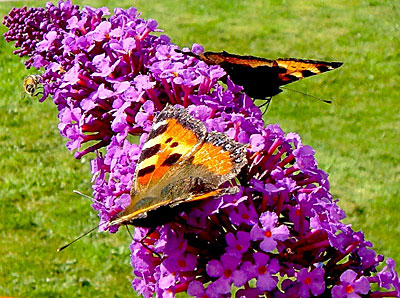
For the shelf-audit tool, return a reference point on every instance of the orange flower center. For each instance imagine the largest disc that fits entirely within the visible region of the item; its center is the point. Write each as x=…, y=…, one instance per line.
x=268, y=234
x=227, y=272
x=307, y=281
x=239, y=247
x=182, y=263
x=262, y=270
x=349, y=289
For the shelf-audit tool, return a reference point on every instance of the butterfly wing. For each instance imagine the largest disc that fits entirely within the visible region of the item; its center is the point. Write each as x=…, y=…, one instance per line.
x=217, y=160
x=261, y=77
x=258, y=76
x=175, y=135
x=225, y=59
x=291, y=69
x=181, y=162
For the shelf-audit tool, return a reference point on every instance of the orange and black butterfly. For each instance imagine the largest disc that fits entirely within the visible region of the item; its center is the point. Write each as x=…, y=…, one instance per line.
x=262, y=78
x=181, y=162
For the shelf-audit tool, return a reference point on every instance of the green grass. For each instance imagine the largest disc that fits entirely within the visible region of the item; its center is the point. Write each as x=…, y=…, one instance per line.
x=356, y=138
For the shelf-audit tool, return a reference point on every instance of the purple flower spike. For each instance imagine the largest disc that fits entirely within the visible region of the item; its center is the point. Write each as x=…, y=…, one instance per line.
x=109, y=77
x=268, y=232
x=350, y=286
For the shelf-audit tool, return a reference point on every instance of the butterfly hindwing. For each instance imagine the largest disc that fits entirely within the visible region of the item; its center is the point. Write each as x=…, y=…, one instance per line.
x=218, y=159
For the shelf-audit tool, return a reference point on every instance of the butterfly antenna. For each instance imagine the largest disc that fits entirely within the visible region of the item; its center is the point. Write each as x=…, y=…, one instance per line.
x=188, y=53
x=129, y=232
x=88, y=197
x=142, y=241
x=82, y=194
x=151, y=230
x=80, y=237
x=303, y=93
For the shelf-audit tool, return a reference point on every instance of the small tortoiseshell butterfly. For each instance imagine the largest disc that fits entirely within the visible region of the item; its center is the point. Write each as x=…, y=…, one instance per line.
x=180, y=162
x=261, y=77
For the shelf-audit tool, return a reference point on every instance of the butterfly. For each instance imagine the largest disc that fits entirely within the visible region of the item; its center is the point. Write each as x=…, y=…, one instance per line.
x=181, y=162
x=262, y=78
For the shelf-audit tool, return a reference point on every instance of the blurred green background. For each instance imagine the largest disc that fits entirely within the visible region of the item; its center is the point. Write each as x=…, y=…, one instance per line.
x=356, y=138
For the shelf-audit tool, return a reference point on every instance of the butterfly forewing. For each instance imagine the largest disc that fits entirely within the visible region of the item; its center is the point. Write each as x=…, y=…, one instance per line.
x=295, y=69
x=172, y=139
x=224, y=58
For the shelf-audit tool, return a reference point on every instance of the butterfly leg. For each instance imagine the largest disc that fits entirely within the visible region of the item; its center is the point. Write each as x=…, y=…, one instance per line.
x=141, y=241
x=183, y=222
x=129, y=232
x=149, y=232
x=266, y=105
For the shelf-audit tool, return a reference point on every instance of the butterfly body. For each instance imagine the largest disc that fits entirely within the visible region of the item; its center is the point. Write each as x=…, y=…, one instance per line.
x=260, y=77
x=181, y=162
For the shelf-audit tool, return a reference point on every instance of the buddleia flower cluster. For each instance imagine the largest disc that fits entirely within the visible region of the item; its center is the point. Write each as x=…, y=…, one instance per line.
x=281, y=235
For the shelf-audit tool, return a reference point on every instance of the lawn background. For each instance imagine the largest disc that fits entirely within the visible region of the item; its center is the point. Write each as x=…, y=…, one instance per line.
x=356, y=138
